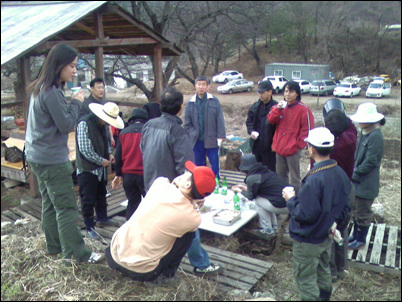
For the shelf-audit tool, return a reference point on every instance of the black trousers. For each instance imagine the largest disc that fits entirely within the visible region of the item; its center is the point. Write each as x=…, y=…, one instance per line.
x=134, y=187
x=93, y=195
x=265, y=156
x=168, y=264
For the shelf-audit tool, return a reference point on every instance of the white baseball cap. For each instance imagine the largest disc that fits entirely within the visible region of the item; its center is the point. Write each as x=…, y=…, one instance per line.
x=320, y=137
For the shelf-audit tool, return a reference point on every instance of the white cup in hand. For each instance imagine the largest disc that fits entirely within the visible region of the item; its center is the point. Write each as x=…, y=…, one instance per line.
x=282, y=104
x=254, y=134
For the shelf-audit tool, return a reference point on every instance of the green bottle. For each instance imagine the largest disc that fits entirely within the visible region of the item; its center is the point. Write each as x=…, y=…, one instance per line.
x=216, y=191
x=224, y=190
x=236, y=202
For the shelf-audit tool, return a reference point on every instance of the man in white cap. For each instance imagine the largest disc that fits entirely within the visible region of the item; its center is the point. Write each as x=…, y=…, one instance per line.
x=366, y=172
x=322, y=200
x=93, y=155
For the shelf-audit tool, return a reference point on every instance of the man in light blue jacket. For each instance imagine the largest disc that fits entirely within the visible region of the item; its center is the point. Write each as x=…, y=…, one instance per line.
x=205, y=124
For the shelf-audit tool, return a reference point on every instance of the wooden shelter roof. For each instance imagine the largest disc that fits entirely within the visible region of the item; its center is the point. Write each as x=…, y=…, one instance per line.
x=30, y=28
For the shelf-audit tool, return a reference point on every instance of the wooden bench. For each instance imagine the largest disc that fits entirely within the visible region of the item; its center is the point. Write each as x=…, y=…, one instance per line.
x=232, y=177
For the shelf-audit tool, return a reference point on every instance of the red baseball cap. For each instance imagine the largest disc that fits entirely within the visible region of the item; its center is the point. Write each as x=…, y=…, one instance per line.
x=204, y=178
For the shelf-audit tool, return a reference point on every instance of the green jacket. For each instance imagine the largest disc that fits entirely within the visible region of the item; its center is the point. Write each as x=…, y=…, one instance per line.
x=366, y=172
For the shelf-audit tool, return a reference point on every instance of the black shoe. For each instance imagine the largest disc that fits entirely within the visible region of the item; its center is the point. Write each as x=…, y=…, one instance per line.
x=163, y=281
x=109, y=222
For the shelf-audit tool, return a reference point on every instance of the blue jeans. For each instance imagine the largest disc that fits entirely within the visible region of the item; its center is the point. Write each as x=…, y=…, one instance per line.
x=196, y=254
x=200, y=153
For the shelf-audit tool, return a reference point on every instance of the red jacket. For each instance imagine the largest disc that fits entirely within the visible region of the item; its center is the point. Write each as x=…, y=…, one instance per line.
x=292, y=126
x=128, y=155
x=344, y=149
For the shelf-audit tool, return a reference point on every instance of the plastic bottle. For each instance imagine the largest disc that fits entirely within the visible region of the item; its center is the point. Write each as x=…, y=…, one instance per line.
x=224, y=190
x=216, y=191
x=236, y=202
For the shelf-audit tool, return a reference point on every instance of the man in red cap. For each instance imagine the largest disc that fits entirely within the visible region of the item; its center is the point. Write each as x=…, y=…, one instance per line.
x=151, y=244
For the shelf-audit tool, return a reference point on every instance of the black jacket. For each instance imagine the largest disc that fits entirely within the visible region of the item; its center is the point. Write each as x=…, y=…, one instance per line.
x=265, y=183
x=257, y=121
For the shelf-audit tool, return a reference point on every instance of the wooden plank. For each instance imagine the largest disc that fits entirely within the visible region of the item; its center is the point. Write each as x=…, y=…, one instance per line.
x=259, y=263
x=5, y=218
x=391, y=246
x=11, y=215
x=377, y=247
x=21, y=212
x=224, y=281
x=362, y=253
x=187, y=270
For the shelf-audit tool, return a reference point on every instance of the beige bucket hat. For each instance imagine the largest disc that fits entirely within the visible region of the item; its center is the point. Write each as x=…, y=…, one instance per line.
x=367, y=113
x=109, y=112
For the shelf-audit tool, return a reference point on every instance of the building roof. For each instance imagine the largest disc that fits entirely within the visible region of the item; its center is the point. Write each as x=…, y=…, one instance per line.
x=299, y=65
x=34, y=27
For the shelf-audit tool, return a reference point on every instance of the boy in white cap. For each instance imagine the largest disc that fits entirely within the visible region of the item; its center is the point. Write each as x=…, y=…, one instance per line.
x=366, y=172
x=93, y=155
x=322, y=200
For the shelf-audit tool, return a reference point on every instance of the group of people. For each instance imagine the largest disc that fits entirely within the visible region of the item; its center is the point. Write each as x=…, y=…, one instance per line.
x=342, y=183
x=161, y=163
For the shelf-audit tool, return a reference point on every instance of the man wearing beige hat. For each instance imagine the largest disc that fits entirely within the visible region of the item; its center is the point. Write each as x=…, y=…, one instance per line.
x=366, y=172
x=93, y=155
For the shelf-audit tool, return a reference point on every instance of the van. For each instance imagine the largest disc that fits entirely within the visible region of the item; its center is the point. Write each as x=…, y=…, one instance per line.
x=323, y=87
x=377, y=89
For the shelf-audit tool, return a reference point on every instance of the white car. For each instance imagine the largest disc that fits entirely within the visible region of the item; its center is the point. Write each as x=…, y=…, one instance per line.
x=277, y=82
x=304, y=85
x=347, y=89
x=377, y=89
x=227, y=76
x=236, y=86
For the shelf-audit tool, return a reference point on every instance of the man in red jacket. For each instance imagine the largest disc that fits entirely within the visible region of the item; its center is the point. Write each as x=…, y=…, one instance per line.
x=128, y=161
x=293, y=121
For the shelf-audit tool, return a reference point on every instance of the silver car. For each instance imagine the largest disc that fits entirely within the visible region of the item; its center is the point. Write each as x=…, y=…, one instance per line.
x=323, y=87
x=236, y=86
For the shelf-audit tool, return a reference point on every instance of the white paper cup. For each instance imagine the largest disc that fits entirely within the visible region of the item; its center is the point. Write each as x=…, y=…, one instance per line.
x=74, y=90
x=255, y=134
x=288, y=190
x=283, y=104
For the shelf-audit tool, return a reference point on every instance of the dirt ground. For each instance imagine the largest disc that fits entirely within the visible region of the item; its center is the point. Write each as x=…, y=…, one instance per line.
x=278, y=283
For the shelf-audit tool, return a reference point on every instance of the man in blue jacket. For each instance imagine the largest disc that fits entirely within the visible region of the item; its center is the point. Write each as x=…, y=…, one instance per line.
x=322, y=200
x=205, y=124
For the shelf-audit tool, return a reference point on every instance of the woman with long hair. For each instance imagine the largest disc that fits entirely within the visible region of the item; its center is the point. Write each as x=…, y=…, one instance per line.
x=50, y=119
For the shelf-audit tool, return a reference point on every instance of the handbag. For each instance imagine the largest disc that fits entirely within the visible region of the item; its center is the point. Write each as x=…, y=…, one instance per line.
x=13, y=154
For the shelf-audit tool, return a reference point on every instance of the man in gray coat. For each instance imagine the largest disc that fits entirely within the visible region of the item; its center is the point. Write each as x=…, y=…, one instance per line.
x=165, y=144
x=205, y=124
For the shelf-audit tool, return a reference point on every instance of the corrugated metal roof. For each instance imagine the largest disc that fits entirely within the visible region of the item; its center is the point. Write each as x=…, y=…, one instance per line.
x=26, y=26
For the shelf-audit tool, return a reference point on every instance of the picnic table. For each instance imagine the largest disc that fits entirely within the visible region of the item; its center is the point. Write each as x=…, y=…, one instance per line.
x=216, y=202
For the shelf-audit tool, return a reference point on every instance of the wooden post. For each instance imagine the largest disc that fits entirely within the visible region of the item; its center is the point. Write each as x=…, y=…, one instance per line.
x=99, y=71
x=158, y=71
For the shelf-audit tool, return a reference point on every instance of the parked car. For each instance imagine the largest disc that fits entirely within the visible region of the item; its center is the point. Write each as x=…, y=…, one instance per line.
x=236, y=86
x=377, y=89
x=323, y=87
x=226, y=76
x=347, y=89
x=277, y=82
x=304, y=85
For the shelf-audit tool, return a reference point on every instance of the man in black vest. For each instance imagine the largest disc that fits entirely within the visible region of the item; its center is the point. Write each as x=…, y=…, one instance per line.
x=93, y=155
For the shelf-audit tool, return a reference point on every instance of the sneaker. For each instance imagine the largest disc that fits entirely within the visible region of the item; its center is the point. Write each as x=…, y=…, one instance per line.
x=96, y=258
x=108, y=194
x=93, y=234
x=212, y=269
x=266, y=234
x=163, y=281
x=109, y=222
